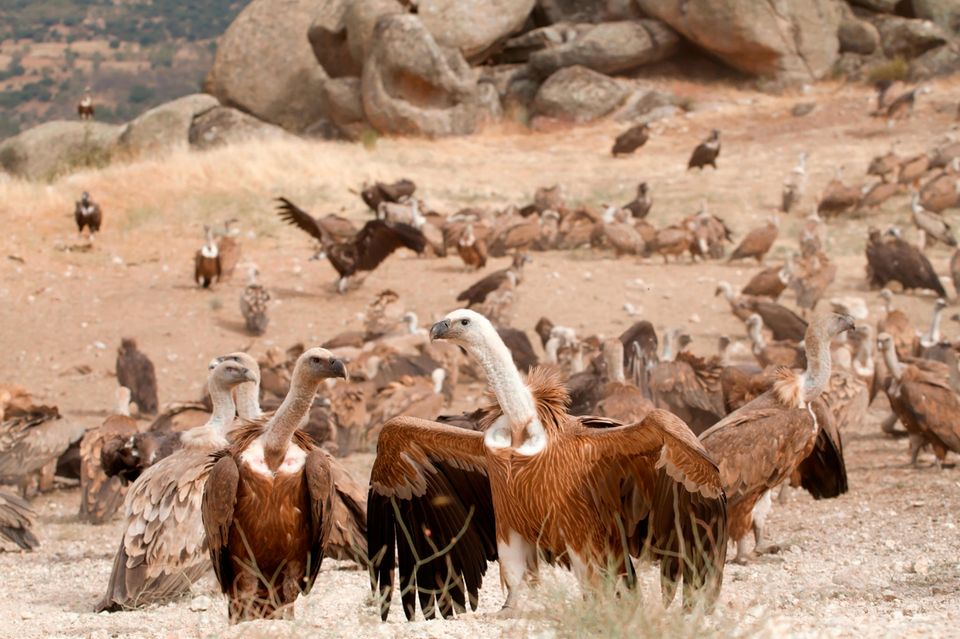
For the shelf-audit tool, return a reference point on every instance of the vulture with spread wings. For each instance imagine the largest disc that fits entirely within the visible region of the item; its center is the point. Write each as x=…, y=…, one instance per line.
x=364, y=251
x=583, y=492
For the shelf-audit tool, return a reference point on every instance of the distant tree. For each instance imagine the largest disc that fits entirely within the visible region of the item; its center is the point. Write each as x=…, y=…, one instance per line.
x=139, y=94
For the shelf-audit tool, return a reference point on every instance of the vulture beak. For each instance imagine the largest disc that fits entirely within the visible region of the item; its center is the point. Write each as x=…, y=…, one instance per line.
x=249, y=375
x=439, y=330
x=338, y=368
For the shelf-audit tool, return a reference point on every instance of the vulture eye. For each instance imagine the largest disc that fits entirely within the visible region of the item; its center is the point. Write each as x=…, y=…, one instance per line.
x=464, y=322
x=315, y=360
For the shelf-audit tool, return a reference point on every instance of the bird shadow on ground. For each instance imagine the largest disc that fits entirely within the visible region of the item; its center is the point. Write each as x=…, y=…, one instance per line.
x=234, y=326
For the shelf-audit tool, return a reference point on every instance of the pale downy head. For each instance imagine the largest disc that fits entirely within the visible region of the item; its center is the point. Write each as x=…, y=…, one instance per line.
x=833, y=324
x=317, y=364
x=463, y=327
x=229, y=374
x=244, y=359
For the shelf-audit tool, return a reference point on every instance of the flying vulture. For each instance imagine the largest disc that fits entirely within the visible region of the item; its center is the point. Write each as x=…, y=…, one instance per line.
x=584, y=492
x=372, y=244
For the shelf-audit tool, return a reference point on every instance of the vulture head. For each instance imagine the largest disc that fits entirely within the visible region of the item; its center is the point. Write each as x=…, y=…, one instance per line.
x=244, y=359
x=835, y=324
x=465, y=328
x=317, y=364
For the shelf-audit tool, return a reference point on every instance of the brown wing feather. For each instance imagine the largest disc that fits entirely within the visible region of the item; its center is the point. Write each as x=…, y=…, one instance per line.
x=16, y=519
x=293, y=214
x=378, y=239
x=429, y=478
x=321, y=487
x=348, y=536
x=101, y=495
x=219, y=499
x=479, y=290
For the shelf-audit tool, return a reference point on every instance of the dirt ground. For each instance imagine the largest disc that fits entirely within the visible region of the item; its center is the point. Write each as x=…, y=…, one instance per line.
x=879, y=561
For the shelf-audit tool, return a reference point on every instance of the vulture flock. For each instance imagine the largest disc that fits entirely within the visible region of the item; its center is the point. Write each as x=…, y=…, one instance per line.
x=603, y=450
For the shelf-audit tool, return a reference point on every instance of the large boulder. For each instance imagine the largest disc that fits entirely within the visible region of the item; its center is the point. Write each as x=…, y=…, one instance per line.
x=790, y=40
x=610, y=47
x=345, y=104
x=944, y=60
x=328, y=37
x=361, y=20
x=265, y=66
x=474, y=27
x=857, y=36
x=413, y=86
x=880, y=6
x=945, y=13
x=222, y=125
x=588, y=10
x=165, y=127
x=59, y=147
x=909, y=38
x=577, y=94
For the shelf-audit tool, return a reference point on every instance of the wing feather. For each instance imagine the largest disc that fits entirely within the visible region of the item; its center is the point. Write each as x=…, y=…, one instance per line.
x=293, y=214
x=429, y=492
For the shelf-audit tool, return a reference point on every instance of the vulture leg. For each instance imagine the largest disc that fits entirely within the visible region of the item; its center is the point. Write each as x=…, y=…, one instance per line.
x=342, y=285
x=888, y=426
x=783, y=496
x=916, y=443
x=515, y=556
x=760, y=512
x=922, y=241
x=742, y=554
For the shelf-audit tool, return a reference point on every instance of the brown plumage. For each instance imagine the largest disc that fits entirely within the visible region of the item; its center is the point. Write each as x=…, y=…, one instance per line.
x=687, y=386
x=710, y=234
x=85, y=108
x=472, y=250
x=162, y=549
x=885, y=166
x=373, y=243
x=955, y=271
x=848, y=398
x=520, y=347
x=912, y=169
x=782, y=322
x=479, y=291
x=897, y=324
x=616, y=397
x=641, y=204
x=268, y=502
x=758, y=242
x=837, y=197
x=253, y=304
x=770, y=282
x=206, y=262
x=895, y=260
x=101, y=495
x=16, y=521
x=762, y=444
x=373, y=196
x=537, y=479
x=706, y=152
x=631, y=140
x=673, y=241
x=942, y=191
x=619, y=234
x=926, y=403
x=32, y=438
x=777, y=353
x=810, y=277
x=135, y=371
x=87, y=214
x=901, y=107
x=516, y=234
x=229, y=249
x=876, y=194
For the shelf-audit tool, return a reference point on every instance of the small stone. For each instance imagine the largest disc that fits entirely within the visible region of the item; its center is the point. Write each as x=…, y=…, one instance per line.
x=889, y=595
x=200, y=603
x=26, y=615
x=695, y=319
x=921, y=566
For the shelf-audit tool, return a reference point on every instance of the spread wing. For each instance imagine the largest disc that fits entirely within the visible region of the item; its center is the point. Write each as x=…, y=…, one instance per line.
x=348, y=536
x=430, y=500
x=29, y=443
x=163, y=549
x=293, y=214
x=379, y=238
x=656, y=480
x=16, y=518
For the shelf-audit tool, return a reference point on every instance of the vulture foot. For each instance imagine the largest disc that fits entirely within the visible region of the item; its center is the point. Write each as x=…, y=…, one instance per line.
x=342, y=285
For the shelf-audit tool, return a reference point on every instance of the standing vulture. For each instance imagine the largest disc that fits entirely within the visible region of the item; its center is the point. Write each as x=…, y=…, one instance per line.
x=782, y=322
x=760, y=445
x=794, y=185
x=931, y=225
x=162, y=550
x=925, y=402
x=896, y=260
x=253, y=304
x=758, y=242
x=472, y=250
x=478, y=292
x=586, y=492
x=706, y=152
x=631, y=140
x=206, y=261
x=87, y=214
x=267, y=505
x=640, y=205
x=135, y=371
x=85, y=108
x=371, y=246
x=902, y=106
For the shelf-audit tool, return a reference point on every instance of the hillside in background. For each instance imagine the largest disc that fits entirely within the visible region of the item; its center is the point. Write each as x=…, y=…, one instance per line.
x=132, y=55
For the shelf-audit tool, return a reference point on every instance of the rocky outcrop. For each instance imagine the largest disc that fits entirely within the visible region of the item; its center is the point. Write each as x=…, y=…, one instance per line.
x=577, y=94
x=790, y=40
x=909, y=38
x=610, y=47
x=328, y=38
x=265, y=66
x=941, y=61
x=345, y=105
x=59, y=147
x=223, y=125
x=589, y=10
x=474, y=27
x=944, y=13
x=858, y=36
x=880, y=6
x=165, y=127
x=413, y=86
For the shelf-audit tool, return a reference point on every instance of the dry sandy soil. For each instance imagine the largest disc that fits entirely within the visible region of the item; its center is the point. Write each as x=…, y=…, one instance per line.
x=879, y=561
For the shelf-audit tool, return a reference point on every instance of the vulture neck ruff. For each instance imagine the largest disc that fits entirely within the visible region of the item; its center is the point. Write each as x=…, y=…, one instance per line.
x=515, y=399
